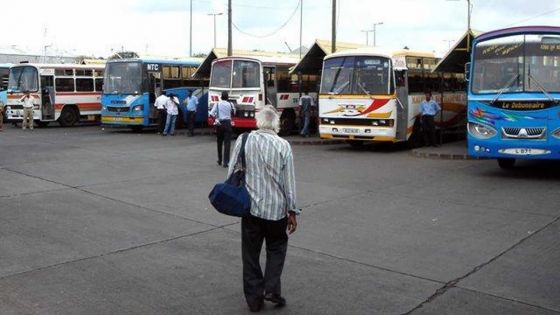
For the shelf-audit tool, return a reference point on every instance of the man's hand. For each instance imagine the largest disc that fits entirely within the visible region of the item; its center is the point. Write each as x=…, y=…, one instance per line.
x=292, y=222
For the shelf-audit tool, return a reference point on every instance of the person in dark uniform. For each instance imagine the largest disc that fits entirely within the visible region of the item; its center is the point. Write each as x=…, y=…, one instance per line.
x=429, y=109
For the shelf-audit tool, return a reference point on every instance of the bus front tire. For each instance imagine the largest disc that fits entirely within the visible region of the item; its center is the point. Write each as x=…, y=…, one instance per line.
x=69, y=117
x=506, y=164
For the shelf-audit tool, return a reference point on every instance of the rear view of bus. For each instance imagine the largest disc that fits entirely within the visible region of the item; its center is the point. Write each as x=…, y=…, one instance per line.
x=357, y=100
x=242, y=79
x=514, y=93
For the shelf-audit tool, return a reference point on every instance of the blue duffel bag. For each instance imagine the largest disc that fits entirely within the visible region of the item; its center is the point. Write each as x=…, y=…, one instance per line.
x=231, y=197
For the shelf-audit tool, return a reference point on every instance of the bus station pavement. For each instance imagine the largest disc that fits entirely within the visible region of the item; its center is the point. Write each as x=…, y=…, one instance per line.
x=99, y=221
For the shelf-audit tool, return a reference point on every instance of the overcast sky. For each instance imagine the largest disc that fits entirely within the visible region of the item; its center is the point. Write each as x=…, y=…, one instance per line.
x=160, y=27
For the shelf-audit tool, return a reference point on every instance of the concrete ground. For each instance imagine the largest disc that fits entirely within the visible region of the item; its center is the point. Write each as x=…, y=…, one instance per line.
x=114, y=222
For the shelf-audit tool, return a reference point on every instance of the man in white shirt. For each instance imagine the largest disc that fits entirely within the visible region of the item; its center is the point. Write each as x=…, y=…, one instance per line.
x=171, y=106
x=27, y=101
x=162, y=112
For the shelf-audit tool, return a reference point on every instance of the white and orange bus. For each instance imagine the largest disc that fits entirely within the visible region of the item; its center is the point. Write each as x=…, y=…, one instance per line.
x=256, y=81
x=67, y=93
x=371, y=95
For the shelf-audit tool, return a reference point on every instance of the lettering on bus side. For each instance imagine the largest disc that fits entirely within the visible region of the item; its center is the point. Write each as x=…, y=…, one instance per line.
x=152, y=67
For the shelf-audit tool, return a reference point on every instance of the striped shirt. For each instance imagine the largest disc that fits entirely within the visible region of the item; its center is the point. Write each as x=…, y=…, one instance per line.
x=269, y=177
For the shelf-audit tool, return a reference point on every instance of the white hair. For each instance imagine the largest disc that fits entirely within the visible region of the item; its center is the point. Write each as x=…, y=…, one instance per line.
x=268, y=118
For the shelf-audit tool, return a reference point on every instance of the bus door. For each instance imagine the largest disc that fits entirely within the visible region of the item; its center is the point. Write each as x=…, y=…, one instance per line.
x=155, y=87
x=47, y=97
x=402, y=104
x=270, y=85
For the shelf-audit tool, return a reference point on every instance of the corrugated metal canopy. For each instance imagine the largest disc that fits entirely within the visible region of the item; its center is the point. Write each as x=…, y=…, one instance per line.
x=312, y=62
x=456, y=58
x=203, y=71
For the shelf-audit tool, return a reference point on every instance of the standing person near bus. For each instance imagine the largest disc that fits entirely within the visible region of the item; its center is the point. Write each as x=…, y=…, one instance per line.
x=1, y=116
x=162, y=112
x=172, y=109
x=222, y=113
x=192, y=104
x=429, y=109
x=305, y=104
x=28, y=105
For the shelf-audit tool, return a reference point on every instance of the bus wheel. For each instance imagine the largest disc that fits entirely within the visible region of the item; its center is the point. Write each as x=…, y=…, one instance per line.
x=42, y=124
x=287, y=122
x=69, y=117
x=506, y=164
x=136, y=128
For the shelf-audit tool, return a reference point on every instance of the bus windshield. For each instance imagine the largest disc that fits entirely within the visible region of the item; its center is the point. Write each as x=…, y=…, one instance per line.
x=246, y=74
x=357, y=75
x=519, y=63
x=23, y=79
x=123, y=78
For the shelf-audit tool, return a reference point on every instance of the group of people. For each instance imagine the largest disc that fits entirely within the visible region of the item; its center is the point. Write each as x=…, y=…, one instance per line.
x=167, y=105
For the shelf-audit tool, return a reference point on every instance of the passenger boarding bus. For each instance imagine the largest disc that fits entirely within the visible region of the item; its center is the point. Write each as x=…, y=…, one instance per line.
x=370, y=95
x=4, y=74
x=257, y=81
x=132, y=85
x=67, y=93
x=514, y=95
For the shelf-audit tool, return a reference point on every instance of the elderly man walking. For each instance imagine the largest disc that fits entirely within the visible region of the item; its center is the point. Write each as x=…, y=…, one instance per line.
x=270, y=181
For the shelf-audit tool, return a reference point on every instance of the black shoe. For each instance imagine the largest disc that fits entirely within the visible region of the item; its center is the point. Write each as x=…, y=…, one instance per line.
x=257, y=307
x=276, y=299
x=219, y=163
x=226, y=166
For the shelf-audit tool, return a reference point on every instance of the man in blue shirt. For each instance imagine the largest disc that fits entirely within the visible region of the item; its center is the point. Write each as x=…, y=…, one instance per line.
x=429, y=109
x=192, y=103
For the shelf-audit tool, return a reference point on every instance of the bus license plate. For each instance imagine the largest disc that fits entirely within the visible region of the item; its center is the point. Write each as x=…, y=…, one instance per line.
x=351, y=130
x=524, y=151
x=118, y=118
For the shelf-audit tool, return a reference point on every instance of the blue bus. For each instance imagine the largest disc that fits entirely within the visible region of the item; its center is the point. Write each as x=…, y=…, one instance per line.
x=4, y=75
x=132, y=85
x=514, y=95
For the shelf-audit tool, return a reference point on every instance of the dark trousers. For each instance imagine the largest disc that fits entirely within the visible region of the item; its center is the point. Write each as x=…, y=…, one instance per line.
x=162, y=114
x=223, y=133
x=253, y=232
x=429, y=128
x=191, y=115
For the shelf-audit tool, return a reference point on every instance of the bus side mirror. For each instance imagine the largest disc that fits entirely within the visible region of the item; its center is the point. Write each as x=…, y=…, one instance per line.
x=467, y=71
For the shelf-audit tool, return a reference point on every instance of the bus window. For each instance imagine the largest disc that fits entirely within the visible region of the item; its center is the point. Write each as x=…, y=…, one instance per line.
x=84, y=85
x=415, y=82
x=23, y=79
x=99, y=84
x=4, y=74
x=284, y=79
x=246, y=74
x=171, y=77
x=84, y=72
x=221, y=74
x=64, y=72
x=99, y=73
x=64, y=85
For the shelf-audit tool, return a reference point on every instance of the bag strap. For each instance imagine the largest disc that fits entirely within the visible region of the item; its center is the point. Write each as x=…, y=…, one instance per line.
x=242, y=151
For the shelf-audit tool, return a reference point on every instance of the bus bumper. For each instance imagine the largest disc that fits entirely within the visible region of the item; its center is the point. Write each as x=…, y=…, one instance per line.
x=359, y=133
x=525, y=150
x=122, y=120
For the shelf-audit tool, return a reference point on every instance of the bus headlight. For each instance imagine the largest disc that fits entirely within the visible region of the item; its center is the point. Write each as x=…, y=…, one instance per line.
x=556, y=133
x=481, y=131
x=138, y=108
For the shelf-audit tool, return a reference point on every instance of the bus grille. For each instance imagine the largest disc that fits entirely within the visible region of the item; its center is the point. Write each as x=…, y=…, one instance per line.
x=118, y=109
x=524, y=133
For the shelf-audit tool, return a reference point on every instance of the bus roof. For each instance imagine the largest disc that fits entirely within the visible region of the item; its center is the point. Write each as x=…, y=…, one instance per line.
x=5, y=65
x=266, y=60
x=518, y=30
x=186, y=62
x=370, y=51
x=60, y=65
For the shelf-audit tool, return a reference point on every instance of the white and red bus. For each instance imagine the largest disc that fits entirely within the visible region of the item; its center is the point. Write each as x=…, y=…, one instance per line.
x=253, y=82
x=67, y=93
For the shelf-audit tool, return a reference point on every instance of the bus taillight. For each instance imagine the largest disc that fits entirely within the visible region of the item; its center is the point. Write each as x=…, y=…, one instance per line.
x=260, y=97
